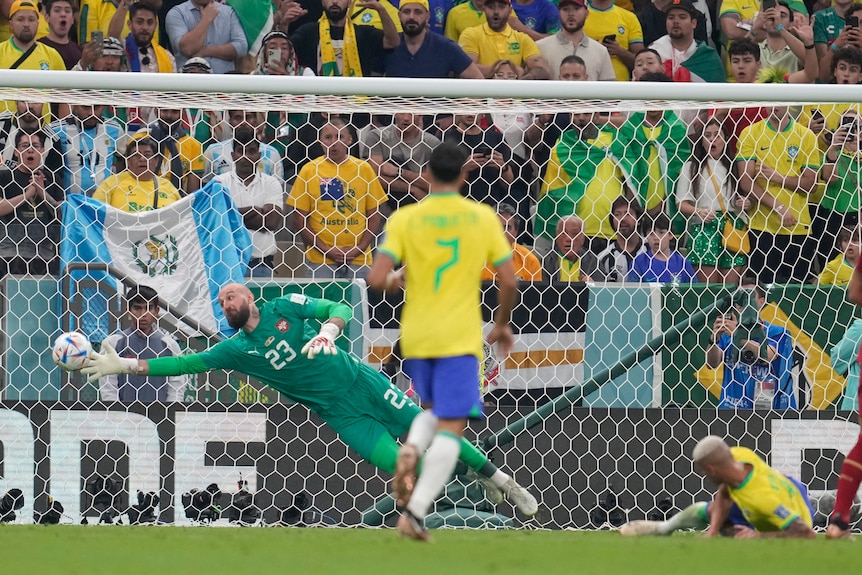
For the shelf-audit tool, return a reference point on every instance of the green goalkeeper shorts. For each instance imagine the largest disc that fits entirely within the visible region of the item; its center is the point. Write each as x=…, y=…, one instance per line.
x=372, y=408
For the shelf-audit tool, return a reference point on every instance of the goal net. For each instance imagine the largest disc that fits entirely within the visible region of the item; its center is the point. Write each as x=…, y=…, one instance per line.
x=620, y=198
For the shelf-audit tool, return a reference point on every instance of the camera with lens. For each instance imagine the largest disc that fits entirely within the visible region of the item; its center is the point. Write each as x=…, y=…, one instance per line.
x=202, y=505
x=748, y=328
x=12, y=501
x=145, y=510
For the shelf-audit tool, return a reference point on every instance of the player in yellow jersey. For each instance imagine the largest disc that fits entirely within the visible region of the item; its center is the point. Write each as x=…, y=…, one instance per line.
x=753, y=500
x=444, y=242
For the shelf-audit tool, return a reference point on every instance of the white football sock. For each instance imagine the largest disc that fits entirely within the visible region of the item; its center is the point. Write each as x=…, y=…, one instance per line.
x=422, y=431
x=437, y=468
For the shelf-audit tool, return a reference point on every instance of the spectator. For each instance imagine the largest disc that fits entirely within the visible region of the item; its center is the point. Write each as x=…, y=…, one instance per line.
x=536, y=18
x=839, y=207
x=684, y=58
x=660, y=263
x=182, y=156
x=572, y=41
x=706, y=194
x=143, y=338
x=88, y=143
x=647, y=61
x=28, y=118
x=336, y=200
x=527, y=265
x=321, y=45
x=60, y=15
x=110, y=17
x=651, y=148
x=399, y=153
x=744, y=56
x=110, y=57
x=619, y=32
x=614, y=263
x=138, y=188
x=829, y=24
x=839, y=270
x=206, y=29
x=775, y=50
x=218, y=159
x=778, y=160
x=142, y=51
x=21, y=51
x=5, y=28
x=489, y=174
x=844, y=359
x=200, y=122
x=581, y=180
x=278, y=43
x=424, y=54
x=825, y=118
x=564, y=264
x=496, y=40
x=30, y=211
x=653, y=16
x=258, y=197
x=766, y=380
x=738, y=19
x=462, y=16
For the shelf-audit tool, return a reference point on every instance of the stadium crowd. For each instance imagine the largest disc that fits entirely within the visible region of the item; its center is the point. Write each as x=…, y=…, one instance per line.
x=642, y=196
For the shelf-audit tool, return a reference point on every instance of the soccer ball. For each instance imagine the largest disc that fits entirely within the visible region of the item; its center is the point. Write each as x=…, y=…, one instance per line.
x=71, y=350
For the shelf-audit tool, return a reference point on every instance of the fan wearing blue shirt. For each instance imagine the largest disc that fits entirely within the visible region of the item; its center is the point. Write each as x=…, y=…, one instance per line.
x=660, y=263
x=540, y=17
x=424, y=54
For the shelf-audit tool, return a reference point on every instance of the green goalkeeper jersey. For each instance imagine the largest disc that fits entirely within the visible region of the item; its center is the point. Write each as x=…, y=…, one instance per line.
x=271, y=354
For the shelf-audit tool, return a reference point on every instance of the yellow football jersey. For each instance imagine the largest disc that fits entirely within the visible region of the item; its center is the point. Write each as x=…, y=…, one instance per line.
x=444, y=241
x=125, y=192
x=767, y=499
x=622, y=24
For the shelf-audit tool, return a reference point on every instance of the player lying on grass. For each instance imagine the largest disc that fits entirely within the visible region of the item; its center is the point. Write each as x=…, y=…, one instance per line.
x=275, y=346
x=753, y=500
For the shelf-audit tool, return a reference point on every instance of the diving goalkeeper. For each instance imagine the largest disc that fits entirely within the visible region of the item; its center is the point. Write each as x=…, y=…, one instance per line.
x=753, y=500
x=275, y=346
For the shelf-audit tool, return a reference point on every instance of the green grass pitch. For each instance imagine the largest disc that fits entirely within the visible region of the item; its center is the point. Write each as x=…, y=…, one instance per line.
x=93, y=550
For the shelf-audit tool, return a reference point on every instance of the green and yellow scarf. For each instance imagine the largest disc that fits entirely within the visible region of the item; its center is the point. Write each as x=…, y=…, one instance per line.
x=349, y=54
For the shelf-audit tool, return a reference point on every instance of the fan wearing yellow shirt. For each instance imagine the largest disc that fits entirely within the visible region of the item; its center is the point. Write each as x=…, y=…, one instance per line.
x=6, y=15
x=470, y=13
x=138, y=188
x=444, y=242
x=778, y=160
x=753, y=500
x=496, y=40
x=619, y=31
x=109, y=16
x=337, y=201
x=839, y=270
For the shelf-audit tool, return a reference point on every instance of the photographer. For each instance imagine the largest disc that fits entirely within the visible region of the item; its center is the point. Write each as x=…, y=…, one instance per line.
x=756, y=355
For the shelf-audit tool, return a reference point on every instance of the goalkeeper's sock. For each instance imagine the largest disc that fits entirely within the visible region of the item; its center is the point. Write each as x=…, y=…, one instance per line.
x=437, y=468
x=475, y=459
x=422, y=431
x=848, y=482
x=692, y=517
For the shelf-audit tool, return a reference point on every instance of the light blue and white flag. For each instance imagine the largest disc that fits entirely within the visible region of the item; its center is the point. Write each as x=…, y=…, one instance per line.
x=185, y=251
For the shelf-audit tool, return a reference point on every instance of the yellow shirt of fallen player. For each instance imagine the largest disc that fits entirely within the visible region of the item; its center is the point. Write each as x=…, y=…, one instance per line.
x=620, y=23
x=527, y=266
x=338, y=199
x=126, y=192
x=788, y=152
x=490, y=46
x=837, y=272
x=767, y=499
x=444, y=241
x=42, y=58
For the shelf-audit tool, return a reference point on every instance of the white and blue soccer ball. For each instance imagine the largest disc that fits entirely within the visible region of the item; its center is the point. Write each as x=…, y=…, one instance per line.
x=71, y=350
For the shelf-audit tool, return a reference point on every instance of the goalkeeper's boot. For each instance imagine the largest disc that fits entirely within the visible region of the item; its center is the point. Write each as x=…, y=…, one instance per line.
x=411, y=527
x=492, y=492
x=520, y=498
x=405, y=474
x=635, y=528
x=838, y=529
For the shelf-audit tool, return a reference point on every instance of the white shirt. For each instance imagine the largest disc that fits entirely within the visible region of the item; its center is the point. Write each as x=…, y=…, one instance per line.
x=262, y=190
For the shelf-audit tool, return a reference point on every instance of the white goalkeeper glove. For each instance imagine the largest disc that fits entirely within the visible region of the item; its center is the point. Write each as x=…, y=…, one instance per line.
x=108, y=362
x=323, y=342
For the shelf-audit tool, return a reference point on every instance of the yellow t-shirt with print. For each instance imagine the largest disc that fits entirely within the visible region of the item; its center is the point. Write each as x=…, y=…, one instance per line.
x=767, y=499
x=460, y=18
x=837, y=272
x=369, y=17
x=338, y=198
x=491, y=46
x=788, y=152
x=622, y=24
x=126, y=192
x=444, y=241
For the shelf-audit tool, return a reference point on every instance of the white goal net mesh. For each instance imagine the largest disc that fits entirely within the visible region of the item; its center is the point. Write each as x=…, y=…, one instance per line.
x=617, y=198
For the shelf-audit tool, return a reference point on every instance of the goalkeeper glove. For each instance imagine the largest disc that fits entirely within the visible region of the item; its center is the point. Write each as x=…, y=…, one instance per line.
x=108, y=362
x=323, y=342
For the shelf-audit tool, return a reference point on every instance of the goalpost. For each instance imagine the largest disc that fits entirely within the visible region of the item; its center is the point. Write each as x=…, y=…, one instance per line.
x=597, y=408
